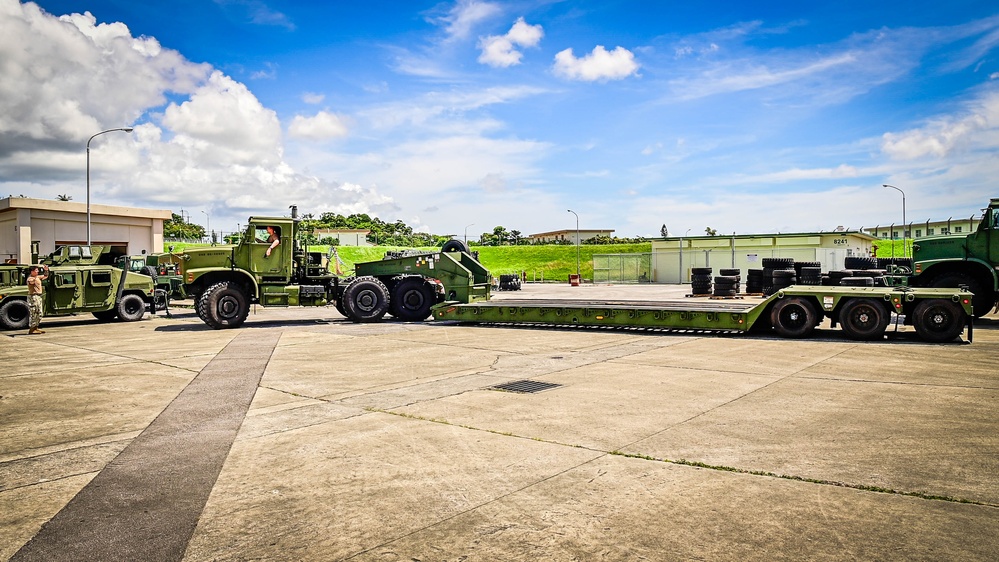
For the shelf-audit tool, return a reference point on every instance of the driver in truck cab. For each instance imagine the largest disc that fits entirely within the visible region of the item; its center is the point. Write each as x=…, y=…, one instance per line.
x=273, y=237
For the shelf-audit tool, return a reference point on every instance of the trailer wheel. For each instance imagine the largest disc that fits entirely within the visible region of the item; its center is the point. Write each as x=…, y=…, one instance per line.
x=938, y=320
x=411, y=299
x=131, y=308
x=864, y=319
x=105, y=315
x=223, y=305
x=366, y=299
x=14, y=314
x=793, y=317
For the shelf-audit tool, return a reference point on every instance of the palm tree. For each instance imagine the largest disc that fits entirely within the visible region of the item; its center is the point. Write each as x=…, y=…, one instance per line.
x=64, y=197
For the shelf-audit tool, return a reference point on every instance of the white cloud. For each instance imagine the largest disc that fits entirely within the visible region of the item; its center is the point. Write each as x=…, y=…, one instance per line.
x=465, y=15
x=977, y=126
x=312, y=98
x=498, y=50
x=600, y=64
x=322, y=126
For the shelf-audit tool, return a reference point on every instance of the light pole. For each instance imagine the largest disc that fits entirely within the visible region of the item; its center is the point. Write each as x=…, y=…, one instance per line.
x=577, y=241
x=208, y=224
x=904, y=253
x=466, y=234
x=125, y=129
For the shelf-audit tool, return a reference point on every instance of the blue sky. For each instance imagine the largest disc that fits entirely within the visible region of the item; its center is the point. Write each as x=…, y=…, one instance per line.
x=745, y=117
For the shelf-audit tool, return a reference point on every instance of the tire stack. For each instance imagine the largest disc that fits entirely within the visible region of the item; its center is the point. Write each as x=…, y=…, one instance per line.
x=808, y=272
x=727, y=284
x=700, y=281
x=754, y=282
x=770, y=280
x=836, y=277
x=733, y=272
x=509, y=282
x=860, y=262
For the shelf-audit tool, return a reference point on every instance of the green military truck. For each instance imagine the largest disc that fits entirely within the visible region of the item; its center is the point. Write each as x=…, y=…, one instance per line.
x=224, y=280
x=954, y=261
x=79, y=281
x=163, y=268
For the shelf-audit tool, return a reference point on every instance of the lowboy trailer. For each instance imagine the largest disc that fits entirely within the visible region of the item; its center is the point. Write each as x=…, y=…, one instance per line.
x=864, y=313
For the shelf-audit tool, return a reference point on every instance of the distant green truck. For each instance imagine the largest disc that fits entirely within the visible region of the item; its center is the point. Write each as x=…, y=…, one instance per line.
x=953, y=261
x=79, y=281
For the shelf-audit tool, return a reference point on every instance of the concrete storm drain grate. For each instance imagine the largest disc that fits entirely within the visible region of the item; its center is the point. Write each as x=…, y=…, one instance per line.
x=525, y=386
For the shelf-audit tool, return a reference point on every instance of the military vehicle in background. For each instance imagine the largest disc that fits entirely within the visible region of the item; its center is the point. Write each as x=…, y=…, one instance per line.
x=955, y=261
x=79, y=281
x=163, y=268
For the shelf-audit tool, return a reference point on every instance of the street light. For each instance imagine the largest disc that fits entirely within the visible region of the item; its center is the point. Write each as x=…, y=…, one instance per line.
x=903, y=216
x=466, y=234
x=125, y=129
x=208, y=223
x=577, y=241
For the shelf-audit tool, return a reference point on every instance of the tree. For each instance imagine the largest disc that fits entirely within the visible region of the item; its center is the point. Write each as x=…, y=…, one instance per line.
x=177, y=227
x=710, y=231
x=64, y=197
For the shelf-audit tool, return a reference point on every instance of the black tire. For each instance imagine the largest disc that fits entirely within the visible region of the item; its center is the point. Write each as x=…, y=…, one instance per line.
x=938, y=320
x=731, y=272
x=131, y=308
x=782, y=274
x=726, y=279
x=15, y=314
x=366, y=299
x=700, y=271
x=338, y=305
x=412, y=299
x=224, y=305
x=150, y=271
x=105, y=315
x=984, y=298
x=856, y=282
x=860, y=262
x=793, y=317
x=725, y=293
x=777, y=263
x=454, y=246
x=864, y=319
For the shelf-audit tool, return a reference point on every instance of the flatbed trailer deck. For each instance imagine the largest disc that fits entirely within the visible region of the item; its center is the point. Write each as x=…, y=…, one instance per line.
x=864, y=313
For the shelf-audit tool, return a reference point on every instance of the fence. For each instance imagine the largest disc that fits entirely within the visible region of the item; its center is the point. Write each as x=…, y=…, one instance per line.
x=622, y=268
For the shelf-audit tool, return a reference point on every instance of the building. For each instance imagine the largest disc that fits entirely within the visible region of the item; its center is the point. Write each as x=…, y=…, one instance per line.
x=673, y=257
x=345, y=236
x=567, y=235
x=50, y=223
x=961, y=226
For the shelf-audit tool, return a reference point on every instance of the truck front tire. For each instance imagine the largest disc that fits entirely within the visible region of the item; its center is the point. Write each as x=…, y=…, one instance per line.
x=131, y=308
x=224, y=305
x=14, y=314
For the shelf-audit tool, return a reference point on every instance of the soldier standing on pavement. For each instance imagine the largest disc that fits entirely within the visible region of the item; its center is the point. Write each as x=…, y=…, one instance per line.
x=35, y=299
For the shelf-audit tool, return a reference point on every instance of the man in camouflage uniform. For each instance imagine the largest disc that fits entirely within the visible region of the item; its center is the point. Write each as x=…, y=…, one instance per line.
x=35, y=299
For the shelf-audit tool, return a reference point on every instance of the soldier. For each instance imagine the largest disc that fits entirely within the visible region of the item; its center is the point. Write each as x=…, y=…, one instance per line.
x=35, y=299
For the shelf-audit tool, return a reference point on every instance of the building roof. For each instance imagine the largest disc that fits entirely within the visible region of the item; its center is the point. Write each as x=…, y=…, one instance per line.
x=773, y=234
x=571, y=231
x=12, y=203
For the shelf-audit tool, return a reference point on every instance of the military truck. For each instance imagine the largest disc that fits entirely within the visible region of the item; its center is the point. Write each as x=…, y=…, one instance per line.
x=955, y=261
x=224, y=280
x=162, y=268
x=79, y=281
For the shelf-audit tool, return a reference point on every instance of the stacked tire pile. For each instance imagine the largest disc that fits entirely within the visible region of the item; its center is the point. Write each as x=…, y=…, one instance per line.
x=509, y=282
x=727, y=283
x=700, y=281
x=754, y=282
x=859, y=272
x=778, y=273
x=808, y=272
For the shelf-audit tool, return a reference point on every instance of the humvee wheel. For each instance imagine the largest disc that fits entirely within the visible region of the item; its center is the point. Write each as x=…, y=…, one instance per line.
x=864, y=319
x=793, y=317
x=411, y=300
x=14, y=314
x=131, y=308
x=105, y=315
x=223, y=305
x=366, y=299
x=938, y=320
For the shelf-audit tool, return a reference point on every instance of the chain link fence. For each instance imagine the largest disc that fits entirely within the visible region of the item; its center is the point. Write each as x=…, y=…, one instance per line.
x=622, y=268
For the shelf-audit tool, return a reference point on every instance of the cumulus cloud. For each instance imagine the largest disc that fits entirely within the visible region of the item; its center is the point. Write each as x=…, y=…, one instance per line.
x=200, y=140
x=977, y=125
x=499, y=51
x=600, y=64
x=322, y=126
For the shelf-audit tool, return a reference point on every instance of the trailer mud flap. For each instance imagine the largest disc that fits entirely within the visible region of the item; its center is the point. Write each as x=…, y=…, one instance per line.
x=971, y=328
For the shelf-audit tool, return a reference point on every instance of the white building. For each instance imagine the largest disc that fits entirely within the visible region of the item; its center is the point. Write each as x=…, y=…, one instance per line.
x=961, y=226
x=568, y=235
x=346, y=236
x=51, y=223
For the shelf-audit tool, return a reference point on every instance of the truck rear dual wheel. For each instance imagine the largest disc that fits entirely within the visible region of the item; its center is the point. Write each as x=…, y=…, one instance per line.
x=412, y=299
x=864, y=319
x=14, y=314
x=366, y=299
x=938, y=320
x=794, y=317
x=224, y=305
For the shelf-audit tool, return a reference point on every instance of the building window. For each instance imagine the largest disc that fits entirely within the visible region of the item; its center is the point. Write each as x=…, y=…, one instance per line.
x=919, y=232
x=929, y=232
x=894, y=234
x=957, y=229
x=884, y=235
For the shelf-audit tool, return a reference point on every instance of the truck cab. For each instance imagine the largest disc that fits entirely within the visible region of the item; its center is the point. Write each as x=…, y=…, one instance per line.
x=955, y=261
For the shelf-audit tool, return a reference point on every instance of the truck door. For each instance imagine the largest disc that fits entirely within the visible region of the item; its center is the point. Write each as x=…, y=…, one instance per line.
x=99, y=289
x=278, y=264
x=63, y=290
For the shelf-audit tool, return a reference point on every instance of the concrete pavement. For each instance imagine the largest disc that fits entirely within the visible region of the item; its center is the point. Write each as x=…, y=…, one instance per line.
x=386, y=442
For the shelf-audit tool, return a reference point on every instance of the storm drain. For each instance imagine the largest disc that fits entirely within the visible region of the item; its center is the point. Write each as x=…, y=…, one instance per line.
x=525, y=386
